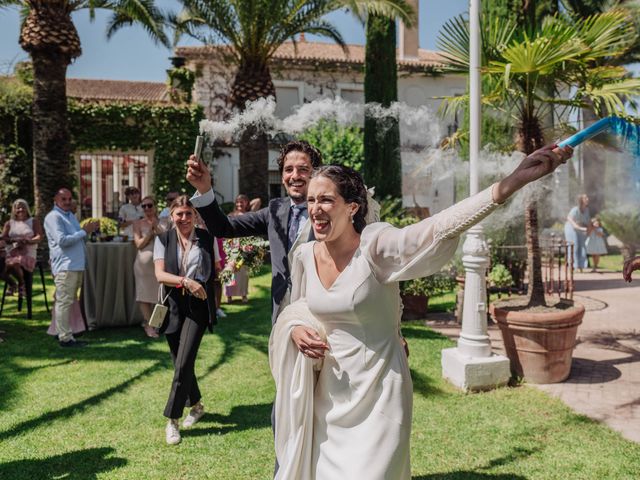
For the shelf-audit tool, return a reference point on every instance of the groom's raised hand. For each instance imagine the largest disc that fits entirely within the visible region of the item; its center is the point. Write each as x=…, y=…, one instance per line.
x=198, y=175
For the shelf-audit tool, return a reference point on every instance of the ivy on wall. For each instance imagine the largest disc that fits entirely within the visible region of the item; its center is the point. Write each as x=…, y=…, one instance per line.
x=16, y=170
x=168, y=131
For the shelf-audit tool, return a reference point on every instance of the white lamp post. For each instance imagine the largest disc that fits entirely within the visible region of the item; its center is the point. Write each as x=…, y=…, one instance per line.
x=471, y=366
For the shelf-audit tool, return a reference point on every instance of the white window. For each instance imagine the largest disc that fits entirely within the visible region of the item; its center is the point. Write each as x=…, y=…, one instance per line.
x=104, y=177
x=289, y=94
x=351, y=92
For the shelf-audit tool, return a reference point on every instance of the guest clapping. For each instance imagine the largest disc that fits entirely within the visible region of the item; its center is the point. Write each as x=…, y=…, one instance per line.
x=22, y=233
x=183, y=264
x=144, y=233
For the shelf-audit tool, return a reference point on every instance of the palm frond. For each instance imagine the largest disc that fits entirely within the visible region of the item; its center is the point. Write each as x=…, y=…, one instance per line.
x=453, y=44
x=396, y=9
x=609, y=34
x=141, y=12
x=610, y=98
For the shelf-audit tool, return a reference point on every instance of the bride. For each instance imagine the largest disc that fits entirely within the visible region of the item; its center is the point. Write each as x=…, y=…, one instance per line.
x=343, y=386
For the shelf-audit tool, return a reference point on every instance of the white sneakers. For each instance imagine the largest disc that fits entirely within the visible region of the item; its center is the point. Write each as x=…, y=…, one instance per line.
x=195, y=414
x=220, y=313
x=172, y=432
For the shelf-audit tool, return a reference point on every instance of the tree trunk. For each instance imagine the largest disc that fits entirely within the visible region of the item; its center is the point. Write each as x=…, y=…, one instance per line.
x=530, y=138
x=382, y=163
x=253, y=81
x=535, y=288
x=51, y=140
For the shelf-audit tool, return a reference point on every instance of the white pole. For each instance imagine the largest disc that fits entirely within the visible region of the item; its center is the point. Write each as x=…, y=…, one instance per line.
x=475, y=91
x=471, y=365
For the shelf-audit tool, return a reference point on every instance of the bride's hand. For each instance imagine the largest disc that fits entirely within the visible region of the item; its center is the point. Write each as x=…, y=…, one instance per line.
x=536, y=165
x=308, y=342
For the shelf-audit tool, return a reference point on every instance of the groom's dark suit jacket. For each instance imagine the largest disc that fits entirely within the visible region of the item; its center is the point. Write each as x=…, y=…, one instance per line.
x=271, y=221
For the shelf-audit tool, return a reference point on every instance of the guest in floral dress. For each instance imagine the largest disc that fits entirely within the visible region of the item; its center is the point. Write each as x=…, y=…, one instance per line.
x=22, y=233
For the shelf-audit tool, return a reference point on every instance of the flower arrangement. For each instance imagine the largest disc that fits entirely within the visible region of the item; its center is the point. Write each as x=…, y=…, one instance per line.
x=243, y=252
x=108, y=226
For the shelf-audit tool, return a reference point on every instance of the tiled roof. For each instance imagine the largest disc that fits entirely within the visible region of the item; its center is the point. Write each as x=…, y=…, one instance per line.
x=320, y=52
x=117, y=90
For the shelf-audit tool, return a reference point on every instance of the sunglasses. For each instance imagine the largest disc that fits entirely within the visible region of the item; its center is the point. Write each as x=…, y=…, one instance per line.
x=146, y=205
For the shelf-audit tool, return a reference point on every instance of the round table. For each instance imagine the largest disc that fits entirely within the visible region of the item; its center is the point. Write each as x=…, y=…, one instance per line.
x=109, y=292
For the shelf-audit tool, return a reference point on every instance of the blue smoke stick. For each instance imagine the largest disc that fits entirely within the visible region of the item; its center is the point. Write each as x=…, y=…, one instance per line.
x=628, y=132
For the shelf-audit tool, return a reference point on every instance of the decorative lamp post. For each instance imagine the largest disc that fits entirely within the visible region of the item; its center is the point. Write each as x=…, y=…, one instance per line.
x=471, y=366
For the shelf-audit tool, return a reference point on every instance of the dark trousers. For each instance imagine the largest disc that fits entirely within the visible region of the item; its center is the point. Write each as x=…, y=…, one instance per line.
x=184, y=346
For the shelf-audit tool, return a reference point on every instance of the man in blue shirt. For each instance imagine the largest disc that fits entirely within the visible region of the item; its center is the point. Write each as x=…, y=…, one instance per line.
x=67, y=252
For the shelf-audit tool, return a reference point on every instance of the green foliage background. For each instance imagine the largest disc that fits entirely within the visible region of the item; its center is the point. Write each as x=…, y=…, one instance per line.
x=168, y=130
x=339, y=144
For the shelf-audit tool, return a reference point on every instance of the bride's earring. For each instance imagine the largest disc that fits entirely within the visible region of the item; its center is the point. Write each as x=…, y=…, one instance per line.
x=351, y=216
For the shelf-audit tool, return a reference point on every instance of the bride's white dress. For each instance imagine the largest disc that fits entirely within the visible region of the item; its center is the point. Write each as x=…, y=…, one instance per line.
x=362, y=400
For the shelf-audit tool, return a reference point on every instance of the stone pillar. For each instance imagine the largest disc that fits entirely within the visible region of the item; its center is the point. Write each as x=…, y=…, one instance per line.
x=474, y=340
x=471, y=366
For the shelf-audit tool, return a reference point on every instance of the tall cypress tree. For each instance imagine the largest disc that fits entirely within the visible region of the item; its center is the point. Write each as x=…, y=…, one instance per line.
x=382, y=167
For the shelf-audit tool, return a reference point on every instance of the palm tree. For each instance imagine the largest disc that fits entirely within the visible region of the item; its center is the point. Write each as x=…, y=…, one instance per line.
x=520, y=68
x=253, y=30
x=595, y=171
x=50, y=37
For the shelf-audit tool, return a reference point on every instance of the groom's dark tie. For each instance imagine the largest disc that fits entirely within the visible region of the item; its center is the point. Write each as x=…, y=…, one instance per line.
x=294, y=223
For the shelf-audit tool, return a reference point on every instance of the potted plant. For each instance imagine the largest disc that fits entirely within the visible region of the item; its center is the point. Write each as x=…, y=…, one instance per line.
x=415, y=293
x=562, y=60
x=500, y=278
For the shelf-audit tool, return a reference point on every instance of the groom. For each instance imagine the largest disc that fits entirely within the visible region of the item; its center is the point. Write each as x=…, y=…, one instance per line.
x=284, y=220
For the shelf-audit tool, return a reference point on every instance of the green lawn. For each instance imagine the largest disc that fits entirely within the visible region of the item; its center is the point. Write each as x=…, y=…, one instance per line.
x=611, y=263
x=96, y=413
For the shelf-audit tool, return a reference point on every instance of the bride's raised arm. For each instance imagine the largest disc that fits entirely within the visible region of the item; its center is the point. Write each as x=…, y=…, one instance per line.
x=424, y=248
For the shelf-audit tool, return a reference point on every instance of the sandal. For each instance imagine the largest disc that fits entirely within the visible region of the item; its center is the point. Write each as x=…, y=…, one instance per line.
x=11, y=289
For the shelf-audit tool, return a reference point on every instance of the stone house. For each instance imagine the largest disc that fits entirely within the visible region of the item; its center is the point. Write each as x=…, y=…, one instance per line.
x=312, y=71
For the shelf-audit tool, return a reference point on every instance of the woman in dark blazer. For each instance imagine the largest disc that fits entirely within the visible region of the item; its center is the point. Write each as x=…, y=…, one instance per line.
x=186, y=279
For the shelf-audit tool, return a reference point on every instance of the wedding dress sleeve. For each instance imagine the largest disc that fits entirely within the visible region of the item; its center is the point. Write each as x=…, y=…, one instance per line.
x=423, y=248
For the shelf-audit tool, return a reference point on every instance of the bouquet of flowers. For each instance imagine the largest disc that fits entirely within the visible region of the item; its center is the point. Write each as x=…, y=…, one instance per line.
x=242, y=252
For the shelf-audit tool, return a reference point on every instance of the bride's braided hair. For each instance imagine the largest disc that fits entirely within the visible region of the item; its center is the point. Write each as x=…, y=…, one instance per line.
x=350, y=187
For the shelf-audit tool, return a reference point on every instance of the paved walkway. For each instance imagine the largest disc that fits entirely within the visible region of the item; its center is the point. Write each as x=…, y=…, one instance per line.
x=604, y=383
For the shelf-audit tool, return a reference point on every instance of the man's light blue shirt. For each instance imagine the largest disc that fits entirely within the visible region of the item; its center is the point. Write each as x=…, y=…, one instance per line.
x=66, y=241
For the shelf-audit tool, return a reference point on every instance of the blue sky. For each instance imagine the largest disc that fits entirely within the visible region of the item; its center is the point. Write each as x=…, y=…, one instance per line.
x=131, y=55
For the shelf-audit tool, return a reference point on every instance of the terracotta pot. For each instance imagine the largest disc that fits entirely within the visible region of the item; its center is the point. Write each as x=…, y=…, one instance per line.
x=415, y=306
x=539, y=345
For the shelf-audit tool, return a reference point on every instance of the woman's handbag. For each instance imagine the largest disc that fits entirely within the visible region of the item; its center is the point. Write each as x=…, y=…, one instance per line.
x=160, y=310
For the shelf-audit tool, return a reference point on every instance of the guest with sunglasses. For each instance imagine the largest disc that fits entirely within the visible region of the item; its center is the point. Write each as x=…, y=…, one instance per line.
x=144, y=233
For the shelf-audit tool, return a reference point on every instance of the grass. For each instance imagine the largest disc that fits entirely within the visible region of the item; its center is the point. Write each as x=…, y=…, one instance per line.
x=96, y=413
x=612, y=263
x=445, y=302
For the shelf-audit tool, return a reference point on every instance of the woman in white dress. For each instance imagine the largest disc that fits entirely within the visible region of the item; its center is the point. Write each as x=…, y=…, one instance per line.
x=351, y=419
